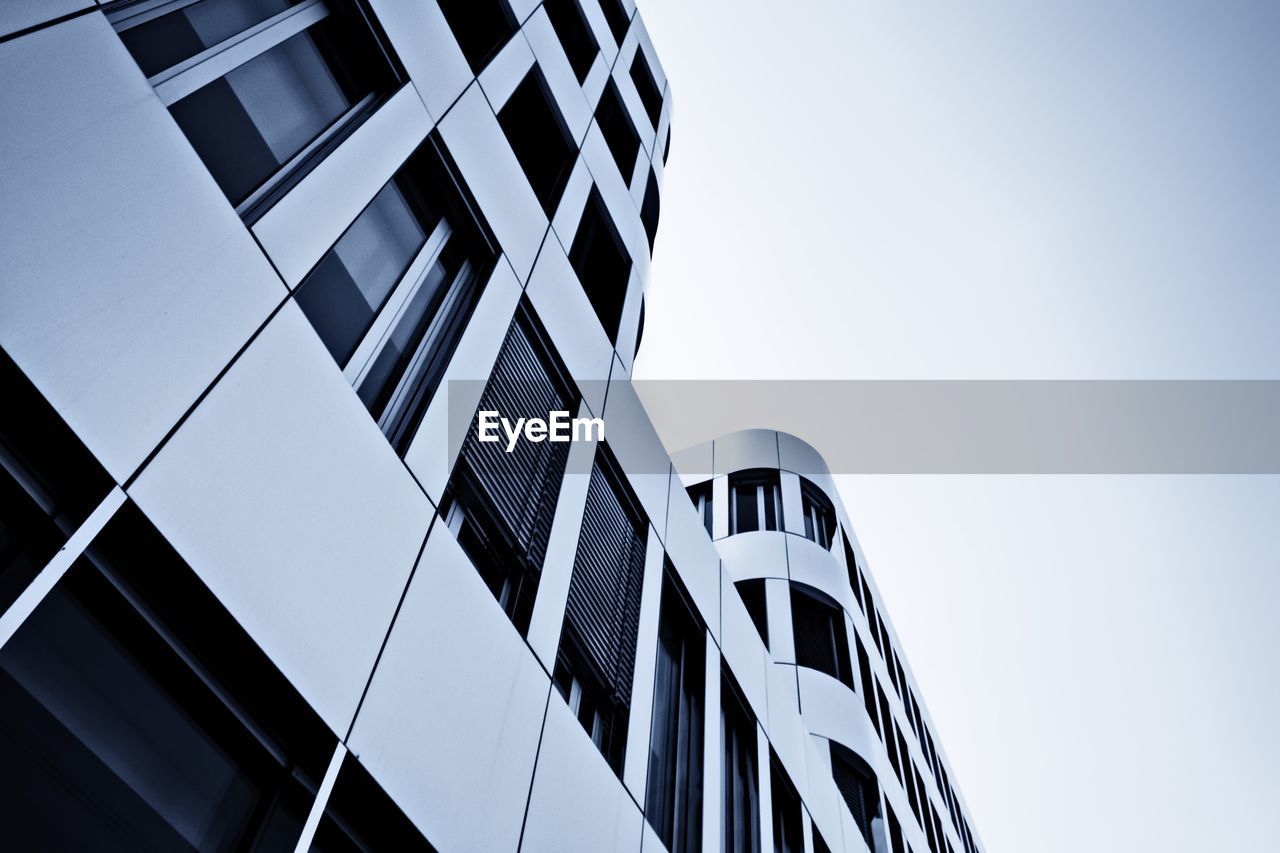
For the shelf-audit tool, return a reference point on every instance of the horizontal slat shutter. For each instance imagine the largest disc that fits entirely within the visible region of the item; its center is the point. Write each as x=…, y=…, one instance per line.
x=604, y=593
x=523, y=485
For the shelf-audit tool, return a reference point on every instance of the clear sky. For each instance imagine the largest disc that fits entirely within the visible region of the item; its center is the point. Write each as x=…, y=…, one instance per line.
x=1018, y=189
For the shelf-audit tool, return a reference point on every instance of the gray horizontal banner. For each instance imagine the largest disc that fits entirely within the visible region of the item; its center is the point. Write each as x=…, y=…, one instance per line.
x=966, y=427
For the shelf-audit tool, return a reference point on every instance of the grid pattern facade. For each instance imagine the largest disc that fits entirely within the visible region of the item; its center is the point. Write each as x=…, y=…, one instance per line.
x=250, y=595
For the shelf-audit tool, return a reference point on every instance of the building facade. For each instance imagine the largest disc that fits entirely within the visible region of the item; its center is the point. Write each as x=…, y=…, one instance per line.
x=256, y=595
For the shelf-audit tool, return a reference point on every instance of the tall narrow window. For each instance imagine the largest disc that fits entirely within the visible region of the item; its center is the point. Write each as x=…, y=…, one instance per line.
x=649, y=209
x=390, y=299
x=49, y=482
x=755, y=501
x=700, y=494
x=822, y=642
x=136, y=713
x=855, y=574
x=754, y=598
x=857, y=784
x=673, y=802
x=616, y=16
x=481, y=27
x=575, y=35
x=594, y=668
x=260, y=89
x=647, y=87
x=618, y=130
x=819, y=515
x=739, y=779
x=788, y=833
x=602, y=263
x=501, y=505
x=539, y=137
x=868, y=684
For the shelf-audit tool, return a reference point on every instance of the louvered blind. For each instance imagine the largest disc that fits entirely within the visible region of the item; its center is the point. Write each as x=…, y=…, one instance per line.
x=855, y=787
x=604, y=593
x=814, y=644
x=522, y=486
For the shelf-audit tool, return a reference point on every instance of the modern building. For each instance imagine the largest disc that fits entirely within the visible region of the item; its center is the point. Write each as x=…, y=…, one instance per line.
x=256, y=595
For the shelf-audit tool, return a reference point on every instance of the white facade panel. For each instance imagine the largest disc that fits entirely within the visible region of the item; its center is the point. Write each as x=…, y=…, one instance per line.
x=282, y=494
x=457, y=689
x=576, y=800
x=129, y=282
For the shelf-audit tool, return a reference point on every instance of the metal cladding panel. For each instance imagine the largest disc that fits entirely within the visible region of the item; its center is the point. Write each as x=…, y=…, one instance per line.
x=576, y=802
x=129, y=282
x=451, y=723
x=286, y=499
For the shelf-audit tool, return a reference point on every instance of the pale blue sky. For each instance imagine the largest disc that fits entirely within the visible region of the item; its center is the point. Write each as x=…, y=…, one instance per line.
x=1014, y=190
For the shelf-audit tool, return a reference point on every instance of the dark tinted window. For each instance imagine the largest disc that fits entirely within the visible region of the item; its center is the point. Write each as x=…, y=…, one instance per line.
x=501, y=505
x=618, y=17
x=649, y=209
x=164, y=41
x=481, y=27
x=739, y=779
x=673, y=800
x=647, y=87
x=602, y=263
x=857, y=784
x=819, y=514
x=788, y=832
x=390, y=299
x=755, y=501
x=539, y=138
x=619, y=132
x=822, y=643
x=49, y=482
x=595, y=667
x=250, y=124
x=139, y=715
x=574, y=33
x=701, y=497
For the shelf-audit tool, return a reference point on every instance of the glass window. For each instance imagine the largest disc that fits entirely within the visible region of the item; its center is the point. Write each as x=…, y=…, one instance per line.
x=788, y=833
x=481, y=27
x=602, y=263
x=739, y=782
x=616, y=16
x=858, y=786
x=575, y=35
x=819, y=514
x=596, y=663
x=700, y=494
x=649, y=209
x=673, y=802
x=822, y=643
x=302, y=76
x=618, y=130
x=646, y=86
x=539, y=137
x=392, y=296
x=501, y=505
x=755, y=501
x=139, y=715
x=162, y=41
x=49, y=482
